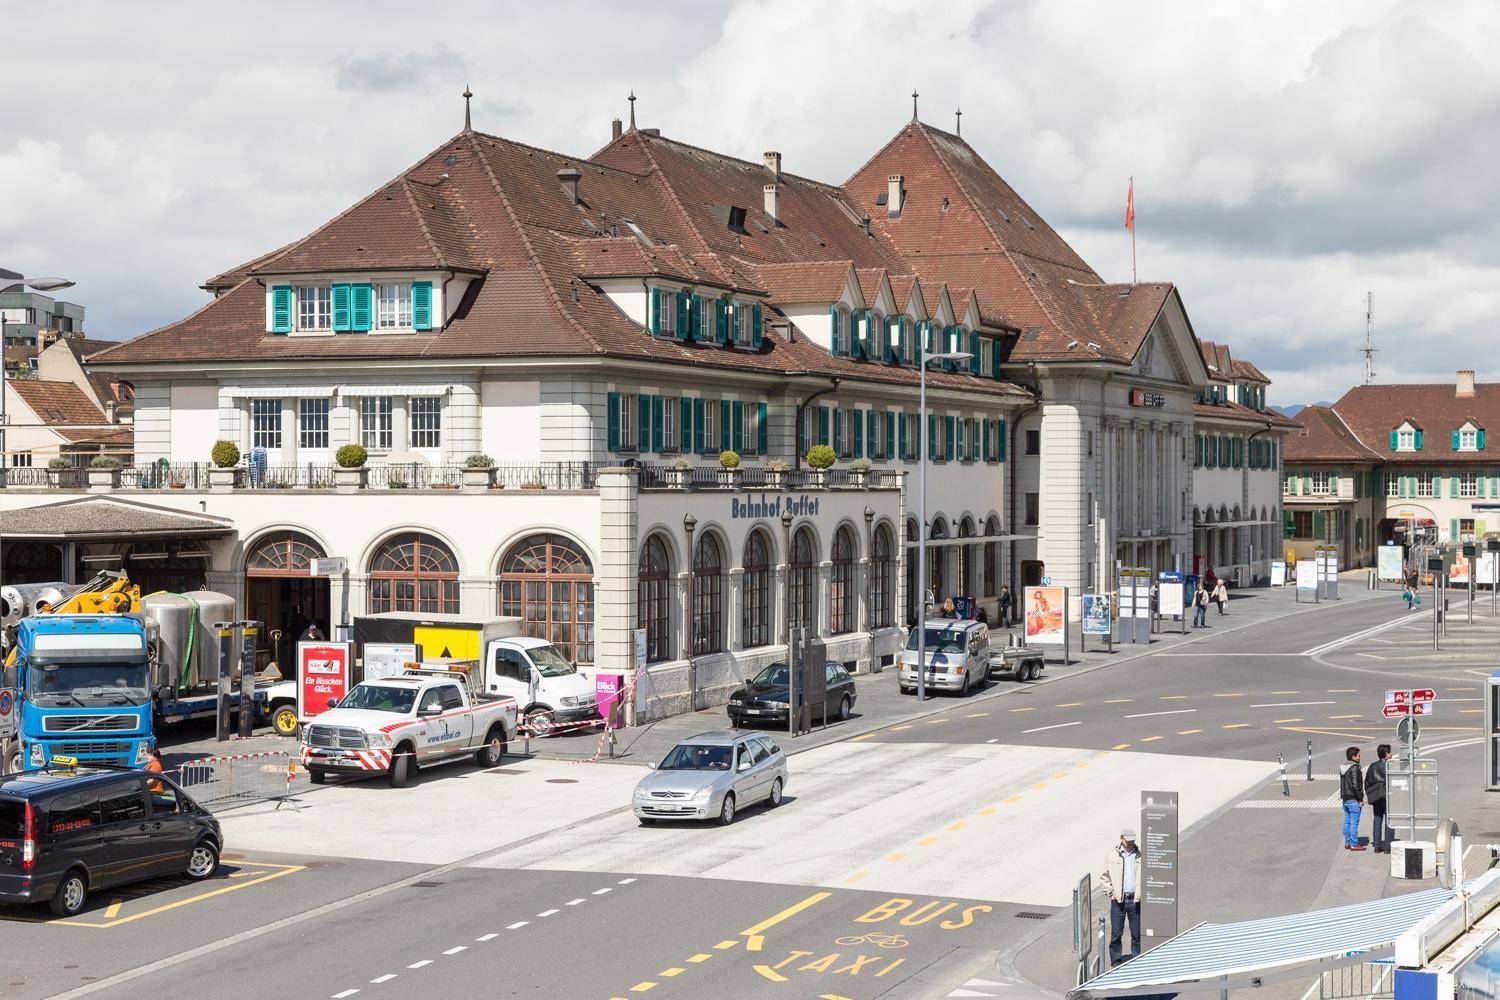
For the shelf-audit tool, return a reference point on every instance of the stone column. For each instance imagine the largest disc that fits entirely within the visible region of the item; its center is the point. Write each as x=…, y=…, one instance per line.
x=734, y=603
x=615, y=609
x=823, y=607
x=682, y=616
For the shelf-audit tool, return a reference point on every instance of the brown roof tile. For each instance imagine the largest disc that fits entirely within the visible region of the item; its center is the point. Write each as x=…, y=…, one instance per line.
x=1322, y=437
x=56, y=402
x=803, y=282
x=1373, y=411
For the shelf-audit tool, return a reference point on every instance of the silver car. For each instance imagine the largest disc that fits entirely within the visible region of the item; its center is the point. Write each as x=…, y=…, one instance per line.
x=712, y=776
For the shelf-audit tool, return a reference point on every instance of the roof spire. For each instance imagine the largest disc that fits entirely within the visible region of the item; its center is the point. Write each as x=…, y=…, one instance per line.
x=958, y=122
x=914, y=104
x=468, y=122
x=632, y=111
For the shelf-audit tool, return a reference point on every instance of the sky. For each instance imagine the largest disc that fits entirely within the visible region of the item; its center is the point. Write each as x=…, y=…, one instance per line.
x=1288, y=157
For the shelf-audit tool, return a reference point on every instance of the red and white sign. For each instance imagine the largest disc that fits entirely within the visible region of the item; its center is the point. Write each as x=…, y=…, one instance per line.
x=1402, y=711
x=322, y=676
x=1418, y=696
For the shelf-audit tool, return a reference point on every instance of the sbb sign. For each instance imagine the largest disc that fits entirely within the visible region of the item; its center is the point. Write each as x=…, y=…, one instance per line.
x=1140, y=397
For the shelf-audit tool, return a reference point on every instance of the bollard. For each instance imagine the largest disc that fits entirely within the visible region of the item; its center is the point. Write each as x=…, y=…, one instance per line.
x=1286, y=788
x=1309, y=760
x=1103, y=959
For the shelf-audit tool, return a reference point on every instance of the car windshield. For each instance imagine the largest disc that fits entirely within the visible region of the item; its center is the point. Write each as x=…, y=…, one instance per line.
x=697, y=757
x=550, y=662
x=87, y=684
x=380, y=698
x=939, y=640
x=775, y=674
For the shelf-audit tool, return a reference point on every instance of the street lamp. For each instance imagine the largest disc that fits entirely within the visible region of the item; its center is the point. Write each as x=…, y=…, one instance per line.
x=922, y=593
x=689, y=524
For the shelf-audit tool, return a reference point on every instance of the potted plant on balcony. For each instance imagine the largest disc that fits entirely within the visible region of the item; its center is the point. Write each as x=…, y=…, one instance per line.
x=55, y=471
x=104, y=474
x=479, y=473
x=859, y=470
x=776, y=471
x=351, y=475
x=729, y=468
x=224, y=475
x=679, y=472
x=820, y=459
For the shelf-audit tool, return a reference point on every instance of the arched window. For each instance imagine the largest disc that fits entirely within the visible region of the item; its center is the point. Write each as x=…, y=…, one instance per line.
x=757, y=584
x=992, y=557
x=841, y=617
x=804, y=580
x=413, y=571
x=708, y=596
x=935, y=582
x=654, y=599
x=283, y=553
x=548, y=583
x=883, y=577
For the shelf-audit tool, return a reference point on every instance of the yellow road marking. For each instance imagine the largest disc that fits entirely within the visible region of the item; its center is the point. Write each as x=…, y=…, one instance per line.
x=833, y=996
x=927, y=841
x=1470, y=711
x=898, y=856
x=1150, y=739
x=987, y=811
x=723, y=945
x=673, y=971
x=1118, y=701
x=702, y=956
x=1120, y=746
x=1461, y=689
x=1343, y=690
x=955, y=827
x=977, y=715
x=1286, y=692
x=1237, y=725
x=933, y=722
x=1013, y=799
x=1234, y=694
x=755, y=942
x=1059, y=775
x=1280, y=721
x=1188, y=732
x=114, y=908
x=856, y=877
x=1028, y=709
x=786, y=914
x=1040, y=785
x=1070, y=704
x=1337, y=718
x=861, y=736
x=1174, y=697
x=897, y=729
x=642, y=987
x=769, y=973
x=284, y=870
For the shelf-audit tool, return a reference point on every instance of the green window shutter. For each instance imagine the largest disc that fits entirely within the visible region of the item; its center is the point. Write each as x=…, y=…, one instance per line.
x=823, y=425
x=1452, y=486
x=281, y=309
x=1479, y=439
x=643, y=429
x=995, y=358
x=1004, y=440
x=721, y=322
x=421, y=305
x=683, y=319
x=1318, y=524
x=1479, y=488
x=756, y=335
x=932, y=435
x=762, y=428
x=698, y=443
x=833, y=330
x=974, y=350
x=890, y=435
x=339, y=296
x=859, y=433
x=1333, y=483
x=1288, y=525
x=695, y=319
x=653, y=312
x=856, y=337
x=684, y=425
x=901, y=436
x=726, y=442
x=872, y=433
x=364, y=296
x=838, y=433
x=614, y=421
x=1395, y=439
x=658, y=424
x=1417, y=440
x=949, y=433
x=1455, y=440
x=737, y=426
x=1453, y=529
x=988, y=444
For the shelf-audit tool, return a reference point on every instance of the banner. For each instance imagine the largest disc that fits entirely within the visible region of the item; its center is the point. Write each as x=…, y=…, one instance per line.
x=322, y=676
x=1045, y=610
x=1278, y=574
x=1096, y=614
x=1170, y=595
x=1307, y=575
x=1388, y=563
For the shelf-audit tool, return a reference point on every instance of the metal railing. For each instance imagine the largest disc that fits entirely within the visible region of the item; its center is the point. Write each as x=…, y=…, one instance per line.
x=547, y=475
x=239, y=779
x=1366, y=981
x=758, y=477
x=287, y=477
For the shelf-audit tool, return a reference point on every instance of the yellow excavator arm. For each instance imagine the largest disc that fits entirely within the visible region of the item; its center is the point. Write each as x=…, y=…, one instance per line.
x=108, y=593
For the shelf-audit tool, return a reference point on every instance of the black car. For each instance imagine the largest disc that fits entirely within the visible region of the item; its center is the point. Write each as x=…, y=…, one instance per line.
x=68, y=831
x=764, y=699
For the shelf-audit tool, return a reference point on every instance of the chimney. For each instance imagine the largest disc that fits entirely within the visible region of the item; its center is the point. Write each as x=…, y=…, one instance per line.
x=771, y=201
x=894, y=195
x=864, y=224
x=570, y=176
x=110, y=416
x=773, y=163
x=615, y=129
x=1463, y=386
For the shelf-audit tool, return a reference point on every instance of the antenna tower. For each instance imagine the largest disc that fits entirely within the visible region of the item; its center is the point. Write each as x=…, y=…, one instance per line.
x=1369, y=348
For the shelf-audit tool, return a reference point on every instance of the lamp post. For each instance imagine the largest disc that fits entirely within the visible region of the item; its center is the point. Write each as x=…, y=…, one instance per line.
x=689, y=523
x=922, y=594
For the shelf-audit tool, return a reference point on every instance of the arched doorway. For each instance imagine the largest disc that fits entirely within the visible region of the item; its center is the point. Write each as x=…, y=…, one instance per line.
x=413, y=571
x=281, y=591
x=548, y=582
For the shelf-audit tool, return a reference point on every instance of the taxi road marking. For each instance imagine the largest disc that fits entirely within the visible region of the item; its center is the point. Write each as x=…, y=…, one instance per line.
x=769, y=973
x=898, y=729
x=642, y=987
x=114, y=908
x=702, y=956
x=673, y=971
x=200, y=897
x=861, y=736
x=724, y=945
x=1150, y=739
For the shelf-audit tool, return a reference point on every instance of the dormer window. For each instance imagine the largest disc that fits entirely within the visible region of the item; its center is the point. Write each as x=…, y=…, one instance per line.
x=1468, y=438
x=1406, y=437
x=350, y=307
x=314, y=307
x=395, y=306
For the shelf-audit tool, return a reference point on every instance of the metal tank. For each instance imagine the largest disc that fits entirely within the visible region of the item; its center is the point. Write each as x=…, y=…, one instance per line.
x=188, y=649
x=212, y=607
x=19, y=600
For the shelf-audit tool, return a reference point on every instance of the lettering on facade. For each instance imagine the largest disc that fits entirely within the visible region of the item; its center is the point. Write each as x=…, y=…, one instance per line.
x=765, y=506
x=1140, y=397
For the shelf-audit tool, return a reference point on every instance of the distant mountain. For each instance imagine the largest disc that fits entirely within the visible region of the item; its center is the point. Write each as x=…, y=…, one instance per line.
x=1292, y=409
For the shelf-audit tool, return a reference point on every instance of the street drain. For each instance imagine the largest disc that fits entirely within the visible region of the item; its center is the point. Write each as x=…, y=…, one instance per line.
x=425, y=884
x=562, y=781
x=1032, y=915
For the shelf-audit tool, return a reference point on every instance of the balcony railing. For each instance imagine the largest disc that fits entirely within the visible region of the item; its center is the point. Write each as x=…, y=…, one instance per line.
x=308, y=476
x=761, y=478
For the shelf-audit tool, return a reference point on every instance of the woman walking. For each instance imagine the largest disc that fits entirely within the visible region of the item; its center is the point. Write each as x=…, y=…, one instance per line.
x=1221, y=595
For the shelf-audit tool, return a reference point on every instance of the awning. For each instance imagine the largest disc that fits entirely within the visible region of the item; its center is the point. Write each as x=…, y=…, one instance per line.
x=1255, y=952
x=276, y=391
x=109, y=519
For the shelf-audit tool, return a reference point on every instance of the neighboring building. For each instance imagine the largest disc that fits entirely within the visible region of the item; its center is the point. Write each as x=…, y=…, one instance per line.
x=49, y=420
x=32, y=321
x=1236, y=470
x=62, y=360
x=1396, y=463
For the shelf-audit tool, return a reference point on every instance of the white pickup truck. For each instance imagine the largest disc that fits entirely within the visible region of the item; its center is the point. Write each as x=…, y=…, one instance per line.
x=395, y=725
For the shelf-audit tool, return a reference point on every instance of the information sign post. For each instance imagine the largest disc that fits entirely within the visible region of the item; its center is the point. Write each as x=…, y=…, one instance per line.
x=1159, y=871
x=1172, y=597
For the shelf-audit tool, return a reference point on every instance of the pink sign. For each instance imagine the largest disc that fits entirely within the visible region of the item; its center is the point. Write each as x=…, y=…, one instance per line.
x=322, y=676
x=607, y=695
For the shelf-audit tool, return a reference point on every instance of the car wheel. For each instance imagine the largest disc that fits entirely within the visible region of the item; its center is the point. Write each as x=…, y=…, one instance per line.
x=403, y=770
x=203, y=862
x=72, y=892
x=646, y=821
x=726, y=811
x=317, y=775
x=493, y=751
x=284, y=720
x=846, y=706
x=539, y=722
x=775, y=798
x=963, y=691
x=904, y=689
x=1036, y=669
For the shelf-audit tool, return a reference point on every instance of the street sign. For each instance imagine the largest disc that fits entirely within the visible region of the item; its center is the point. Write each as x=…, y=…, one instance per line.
x=330, y=566
x=1420, y=695
x=7, y=713
x=1046, y=581
x=1159, y=873
x=1407, y=731
x=1402, y=711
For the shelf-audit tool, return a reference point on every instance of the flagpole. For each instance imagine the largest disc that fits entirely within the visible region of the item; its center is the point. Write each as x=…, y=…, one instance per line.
x=1132, y=230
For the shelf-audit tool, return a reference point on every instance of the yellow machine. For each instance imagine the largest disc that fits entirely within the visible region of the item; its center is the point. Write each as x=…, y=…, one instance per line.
x=108, y=593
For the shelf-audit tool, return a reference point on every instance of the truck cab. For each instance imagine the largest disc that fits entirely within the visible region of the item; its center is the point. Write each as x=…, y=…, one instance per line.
x=83, y=688
x=549, y=688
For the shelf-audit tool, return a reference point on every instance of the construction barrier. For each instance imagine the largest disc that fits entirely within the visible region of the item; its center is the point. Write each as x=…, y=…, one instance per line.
x=237, y=779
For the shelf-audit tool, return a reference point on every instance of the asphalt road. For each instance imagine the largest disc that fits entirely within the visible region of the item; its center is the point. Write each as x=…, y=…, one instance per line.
x=918, y=860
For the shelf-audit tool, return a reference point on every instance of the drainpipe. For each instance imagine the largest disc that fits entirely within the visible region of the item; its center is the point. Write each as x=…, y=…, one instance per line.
x=1010, y=483
x=1245, y=490
x=797, y=420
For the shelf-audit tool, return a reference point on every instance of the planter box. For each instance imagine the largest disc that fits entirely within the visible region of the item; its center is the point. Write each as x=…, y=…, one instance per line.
x=224, y=480
x=104, y=480
x=677, y=479
x=350, y=480
x=817, y=478
x=775, y=479
x=478, y=480
x=729, y=478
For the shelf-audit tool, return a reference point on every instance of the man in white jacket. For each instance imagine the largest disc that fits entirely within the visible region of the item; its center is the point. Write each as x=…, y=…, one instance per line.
x=1121, y=881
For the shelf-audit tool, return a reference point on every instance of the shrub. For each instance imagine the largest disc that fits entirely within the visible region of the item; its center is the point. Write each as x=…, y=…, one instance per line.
x=820, y=457
x=479, y=462
x=226, y=454
x=729, y=460
x=351, y=456
x=681, y=464
x=59, y=464
x=860, y=465
x=533, y=484
x=105, y=462
x=777, y=465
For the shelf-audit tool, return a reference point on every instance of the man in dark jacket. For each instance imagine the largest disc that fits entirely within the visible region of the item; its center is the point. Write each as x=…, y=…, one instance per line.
x=1352, y=794
x=1380, y=827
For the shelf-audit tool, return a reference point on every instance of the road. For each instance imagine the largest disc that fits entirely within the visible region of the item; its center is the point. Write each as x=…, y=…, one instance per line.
x=922, y=859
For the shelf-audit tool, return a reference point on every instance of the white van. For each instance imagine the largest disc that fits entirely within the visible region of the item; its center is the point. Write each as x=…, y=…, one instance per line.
x=547, y=686
x=957, y=651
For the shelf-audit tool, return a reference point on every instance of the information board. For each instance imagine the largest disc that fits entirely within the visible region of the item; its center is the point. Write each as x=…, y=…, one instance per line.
x=1278, y=574
x=1096, y=617
x=389, y=659
x=1159, y=874
x=1045, y=607
x=1307, y=575
x=1143, y=594
x=1171, y=598
x=1388, y=563
x=1458, y=574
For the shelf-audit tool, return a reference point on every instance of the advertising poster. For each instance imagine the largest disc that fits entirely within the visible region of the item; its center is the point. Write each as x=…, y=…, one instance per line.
x=389, y=659
x=1388, y=563
x=1484, y=570
x=1278, y=574
x=609, y=694
x=322, y=676
x=1170, y=593
x=1096, y=614
x=1307, y=575
x=1045, y=608
x=1458, y=575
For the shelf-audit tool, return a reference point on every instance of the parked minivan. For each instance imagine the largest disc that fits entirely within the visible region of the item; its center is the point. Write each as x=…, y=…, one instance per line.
x=957, y=652
x=68, y=831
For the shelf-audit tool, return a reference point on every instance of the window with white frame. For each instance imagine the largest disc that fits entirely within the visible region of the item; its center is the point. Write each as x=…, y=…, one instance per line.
x=1468, y=484
x=986, y=355
x=1468, y=439
x=666, y=319
x=1425, y=484
x=1465, y=529
x=913, y=435
x=314, y=307
x=877, y=433
x=962, y=444
x=627, y=421
x=312, y=423
x=1406, y=440
x=1392, y=484
x=840, y=324
x=669, y=423
x=742, y=324
x=1320, y=482
x=393, y=307
x=375, y=423
x=20, y=460
x=426, y=417
x=265, y=424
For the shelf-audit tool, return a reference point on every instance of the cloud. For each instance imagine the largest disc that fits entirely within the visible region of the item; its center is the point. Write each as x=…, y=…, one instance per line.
x=384, y=72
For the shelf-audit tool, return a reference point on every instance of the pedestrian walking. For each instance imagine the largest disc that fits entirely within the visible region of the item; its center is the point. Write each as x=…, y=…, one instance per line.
x=1410, y=597
x=1006, y=600
x=1221, y=595
x=1200, y=606
x=1352, y=795
x=1121, y=881
x=1380, y=826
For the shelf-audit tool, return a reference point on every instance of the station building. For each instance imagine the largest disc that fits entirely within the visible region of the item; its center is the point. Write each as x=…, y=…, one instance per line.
x=600, y=329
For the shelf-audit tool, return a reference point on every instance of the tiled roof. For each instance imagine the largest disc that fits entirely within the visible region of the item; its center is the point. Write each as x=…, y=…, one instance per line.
x=1373, y=411
x=95, y=517
x=1247, y=372
x=809, y=281
x=1242, y=414
x=56, y=402
x=1322, y=437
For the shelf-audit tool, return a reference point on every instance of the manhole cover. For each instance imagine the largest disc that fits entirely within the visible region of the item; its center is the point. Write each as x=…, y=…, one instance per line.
x=562, y=781
x=1032, y=915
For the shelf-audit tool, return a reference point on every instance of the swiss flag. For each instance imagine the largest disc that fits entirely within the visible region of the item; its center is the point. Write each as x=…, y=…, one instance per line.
x=1130, y=206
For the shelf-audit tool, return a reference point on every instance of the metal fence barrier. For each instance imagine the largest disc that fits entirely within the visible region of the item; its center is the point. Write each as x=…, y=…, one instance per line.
x=239, y=779
x=1366, y=981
